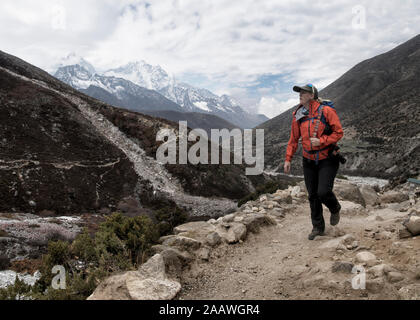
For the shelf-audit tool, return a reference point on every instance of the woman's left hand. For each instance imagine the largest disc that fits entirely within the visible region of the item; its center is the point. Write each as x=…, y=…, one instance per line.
x=315, y=142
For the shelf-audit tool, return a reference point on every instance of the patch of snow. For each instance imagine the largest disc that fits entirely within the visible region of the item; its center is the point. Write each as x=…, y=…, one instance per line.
x=202, y=105
x=8, y=278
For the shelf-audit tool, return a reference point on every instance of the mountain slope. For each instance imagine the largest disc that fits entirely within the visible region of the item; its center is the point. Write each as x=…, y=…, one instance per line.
x=69, y=153
x=378, y=102
x=114, y=90
x=194, y=120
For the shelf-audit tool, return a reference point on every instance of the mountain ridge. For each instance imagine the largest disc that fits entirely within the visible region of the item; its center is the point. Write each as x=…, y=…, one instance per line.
x=377, y=102
x=186, y=96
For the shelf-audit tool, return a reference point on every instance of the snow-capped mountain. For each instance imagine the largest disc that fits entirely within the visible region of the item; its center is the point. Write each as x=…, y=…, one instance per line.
x=127, y=79
x=116, y=91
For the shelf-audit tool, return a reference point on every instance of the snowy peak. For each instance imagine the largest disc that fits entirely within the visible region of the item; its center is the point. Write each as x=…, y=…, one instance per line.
x=73, y=59
x=142, y=74
x=119, y=81
x=75, y=75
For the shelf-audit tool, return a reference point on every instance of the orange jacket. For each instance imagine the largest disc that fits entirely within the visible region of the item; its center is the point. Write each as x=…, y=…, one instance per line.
x=306, y=129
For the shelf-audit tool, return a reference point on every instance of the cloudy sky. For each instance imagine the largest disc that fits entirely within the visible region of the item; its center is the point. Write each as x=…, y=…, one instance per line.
x=252, y=50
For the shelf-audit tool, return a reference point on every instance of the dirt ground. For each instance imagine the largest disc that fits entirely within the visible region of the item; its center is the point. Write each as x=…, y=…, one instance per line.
x=281, y=263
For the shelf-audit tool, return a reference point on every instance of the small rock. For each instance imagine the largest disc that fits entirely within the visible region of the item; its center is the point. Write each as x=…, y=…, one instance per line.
x=203, y=254
x=366, y=257
x=413, y=225
x=380, y=270
x=394, y=196
x=228, y=218
x=183, y=243
x=213, y=239
x=345, y=267
x=295, y=191
x=395, y=277
x=383, y=235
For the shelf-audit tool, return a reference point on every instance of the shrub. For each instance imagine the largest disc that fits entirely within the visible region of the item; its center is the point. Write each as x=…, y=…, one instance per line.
x=168, y=218
x=83, y=247
x=4, y=262
x=18, y=291
x=132, y=235
x=121, y=243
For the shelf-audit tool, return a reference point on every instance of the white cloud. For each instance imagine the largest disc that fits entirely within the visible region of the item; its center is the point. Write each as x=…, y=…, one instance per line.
x=271, y=107
x=231, y=43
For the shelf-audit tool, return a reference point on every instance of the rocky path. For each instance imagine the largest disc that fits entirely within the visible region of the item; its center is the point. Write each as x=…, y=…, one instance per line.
x=261, y=251
x=281, y=263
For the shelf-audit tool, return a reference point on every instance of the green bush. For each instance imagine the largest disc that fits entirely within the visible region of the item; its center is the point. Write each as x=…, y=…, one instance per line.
x=18, y=291
x=168, y=218
x=133, y=236
x=121, y=243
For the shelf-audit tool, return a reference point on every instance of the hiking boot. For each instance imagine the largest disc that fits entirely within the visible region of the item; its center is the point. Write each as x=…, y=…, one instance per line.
x=335, y=216
x=315, y=233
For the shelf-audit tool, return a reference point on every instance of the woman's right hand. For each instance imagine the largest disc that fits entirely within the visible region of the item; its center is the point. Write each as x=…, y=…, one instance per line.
x=287, y=167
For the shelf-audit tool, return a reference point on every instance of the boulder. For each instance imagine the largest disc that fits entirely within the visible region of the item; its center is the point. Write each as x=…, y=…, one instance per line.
x=183, y=243
x=277, y=213
x=344, y=267
x=403, y=233
x=295, y=191
x=338, y=243
x=283, y=197
x=150, y=282
x=366, y=257
x=253, y=222
x=213, y=239
x=203, y=254
x=197, y=230
x=349, y=208
x=394, y=276
x=413, y=225
x=229, y=218
x=349, y=192
x=394, y=196
x=380, y=270
x=399, y=206
x=174, y=259
x=369, y=195
x=232, y=232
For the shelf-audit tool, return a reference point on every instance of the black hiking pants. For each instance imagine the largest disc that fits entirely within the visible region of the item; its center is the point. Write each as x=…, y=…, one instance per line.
x=319, y=180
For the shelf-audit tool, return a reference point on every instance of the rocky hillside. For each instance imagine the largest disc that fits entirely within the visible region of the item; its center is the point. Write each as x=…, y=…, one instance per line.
x=66, y=153
x=194, y=119
x=378, y=102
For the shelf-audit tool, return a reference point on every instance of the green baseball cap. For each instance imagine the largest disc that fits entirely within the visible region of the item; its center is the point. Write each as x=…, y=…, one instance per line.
x=309, y=88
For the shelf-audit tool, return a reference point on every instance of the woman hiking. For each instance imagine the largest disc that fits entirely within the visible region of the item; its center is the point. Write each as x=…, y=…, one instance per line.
x=319, y=165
